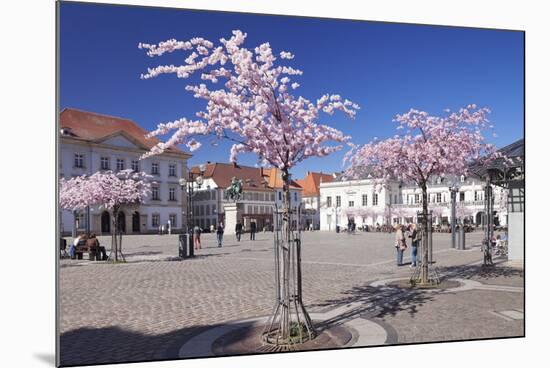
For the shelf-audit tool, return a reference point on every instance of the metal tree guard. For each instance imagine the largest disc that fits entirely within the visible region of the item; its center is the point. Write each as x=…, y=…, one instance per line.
x=289, y=323
x=421, y=272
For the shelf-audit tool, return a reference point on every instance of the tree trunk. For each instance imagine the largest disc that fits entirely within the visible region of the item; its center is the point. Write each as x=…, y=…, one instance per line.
x=114, y=230
x=290, y=323
x=424, y=277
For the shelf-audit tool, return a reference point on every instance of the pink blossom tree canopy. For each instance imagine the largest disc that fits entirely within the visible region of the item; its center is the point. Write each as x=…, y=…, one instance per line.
x=105, y=189
x=429, y=146
x=249, y=101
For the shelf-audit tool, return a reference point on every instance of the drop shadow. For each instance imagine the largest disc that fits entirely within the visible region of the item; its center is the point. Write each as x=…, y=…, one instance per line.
x=46, y=358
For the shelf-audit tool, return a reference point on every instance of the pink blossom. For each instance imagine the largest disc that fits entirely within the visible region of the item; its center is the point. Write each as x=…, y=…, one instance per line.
x=105, y=189
x=254, y=108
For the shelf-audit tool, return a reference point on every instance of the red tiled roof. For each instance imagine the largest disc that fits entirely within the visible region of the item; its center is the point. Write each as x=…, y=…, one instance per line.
x=254, y=178
x=94, y=127
x=310, y=184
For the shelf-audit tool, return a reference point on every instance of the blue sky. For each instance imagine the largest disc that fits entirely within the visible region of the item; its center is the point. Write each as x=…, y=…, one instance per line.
x=386, y=68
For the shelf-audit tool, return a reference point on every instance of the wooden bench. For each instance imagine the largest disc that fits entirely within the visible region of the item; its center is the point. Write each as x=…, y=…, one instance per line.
x=93, y=254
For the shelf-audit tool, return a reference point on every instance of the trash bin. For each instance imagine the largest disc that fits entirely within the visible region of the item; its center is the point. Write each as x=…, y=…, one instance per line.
x=337, y=228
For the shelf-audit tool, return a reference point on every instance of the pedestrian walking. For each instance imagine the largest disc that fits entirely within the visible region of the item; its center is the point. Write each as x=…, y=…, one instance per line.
x=169, y=227
x=416, y=237
x=400, y=243
x=219, y=234
x=197, y=237
x=253, y=230
x=238, y=231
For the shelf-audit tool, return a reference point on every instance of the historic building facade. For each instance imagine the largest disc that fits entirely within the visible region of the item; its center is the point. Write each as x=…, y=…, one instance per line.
x=311, y=198
x=262, y=195
x=91, y=142
x=367, y=202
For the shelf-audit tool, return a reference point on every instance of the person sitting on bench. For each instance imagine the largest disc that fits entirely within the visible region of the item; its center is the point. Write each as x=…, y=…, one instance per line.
x=93, y=246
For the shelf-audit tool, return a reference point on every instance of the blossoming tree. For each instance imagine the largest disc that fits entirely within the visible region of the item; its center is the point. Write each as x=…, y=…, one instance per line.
x=429, y=146
x=108, y=190
x=250, y=101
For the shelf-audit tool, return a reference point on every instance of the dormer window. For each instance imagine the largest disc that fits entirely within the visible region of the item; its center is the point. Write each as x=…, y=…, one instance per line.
x=462, y=178
x=66, y=131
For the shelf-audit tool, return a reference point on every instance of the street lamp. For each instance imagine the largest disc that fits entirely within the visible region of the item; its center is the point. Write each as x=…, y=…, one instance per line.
x=189, y=184
x=489, y=203
x=453, y=188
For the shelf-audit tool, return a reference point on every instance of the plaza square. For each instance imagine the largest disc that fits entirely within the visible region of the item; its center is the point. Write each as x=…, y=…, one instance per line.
x=154, y=304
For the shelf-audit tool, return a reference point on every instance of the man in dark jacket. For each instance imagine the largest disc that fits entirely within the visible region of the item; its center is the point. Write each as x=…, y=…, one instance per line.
x=238, y=231
x=253, y=230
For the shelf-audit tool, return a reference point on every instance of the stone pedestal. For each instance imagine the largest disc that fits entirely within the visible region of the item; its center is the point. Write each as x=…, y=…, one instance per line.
x=515, y=236
x=231, y=217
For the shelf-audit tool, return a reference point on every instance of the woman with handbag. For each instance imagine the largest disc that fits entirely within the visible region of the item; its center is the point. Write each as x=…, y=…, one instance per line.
x=416, y=237
x=400, y=243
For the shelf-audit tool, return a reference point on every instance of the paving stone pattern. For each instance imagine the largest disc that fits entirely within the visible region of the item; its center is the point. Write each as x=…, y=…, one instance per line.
x=144, y=309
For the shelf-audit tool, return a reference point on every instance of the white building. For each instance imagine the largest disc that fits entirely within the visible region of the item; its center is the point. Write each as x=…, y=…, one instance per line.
x=262, y=193
x=91, y=142
x=311, y=198
x=369, y=203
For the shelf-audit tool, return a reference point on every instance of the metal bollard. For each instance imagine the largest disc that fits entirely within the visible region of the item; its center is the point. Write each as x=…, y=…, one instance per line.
x=191, y=245
x=462, y=241
x=182, y=248
x=430, y=243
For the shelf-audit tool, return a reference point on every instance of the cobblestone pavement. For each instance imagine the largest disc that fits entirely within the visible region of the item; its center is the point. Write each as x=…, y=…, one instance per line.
x=146, y=308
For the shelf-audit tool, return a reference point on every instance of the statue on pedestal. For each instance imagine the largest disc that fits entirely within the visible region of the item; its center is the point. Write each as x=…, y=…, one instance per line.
x=235, y=190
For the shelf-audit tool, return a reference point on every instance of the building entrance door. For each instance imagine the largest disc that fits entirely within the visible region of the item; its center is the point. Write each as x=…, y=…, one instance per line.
x=135, y=222
x=121, y=222
x=105, y=222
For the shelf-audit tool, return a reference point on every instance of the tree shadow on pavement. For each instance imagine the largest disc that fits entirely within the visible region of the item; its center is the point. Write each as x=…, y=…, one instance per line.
x=142, y=253
x=204, y=256
x=477, y=271
x=376, y=302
